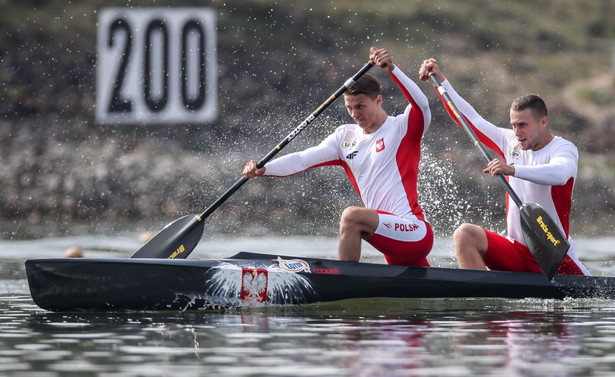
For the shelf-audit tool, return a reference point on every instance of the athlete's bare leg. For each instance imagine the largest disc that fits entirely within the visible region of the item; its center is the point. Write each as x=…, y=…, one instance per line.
x=470, y=245
x=356, y=223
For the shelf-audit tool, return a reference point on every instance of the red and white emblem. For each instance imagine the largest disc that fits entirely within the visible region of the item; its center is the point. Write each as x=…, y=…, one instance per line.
x=380, y=145
x=254, y=284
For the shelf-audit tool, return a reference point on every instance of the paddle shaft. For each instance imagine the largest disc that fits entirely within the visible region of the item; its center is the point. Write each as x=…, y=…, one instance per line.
x=180, y=237
x=470, y=132
x=347, y=85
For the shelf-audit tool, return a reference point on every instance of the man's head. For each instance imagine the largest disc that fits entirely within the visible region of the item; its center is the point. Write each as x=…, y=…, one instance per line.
x=528, y=117
x=530, y=101
x=364, y=103
x=366, y=84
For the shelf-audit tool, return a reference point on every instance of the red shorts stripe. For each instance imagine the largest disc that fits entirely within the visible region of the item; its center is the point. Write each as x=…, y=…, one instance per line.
x=505, y=254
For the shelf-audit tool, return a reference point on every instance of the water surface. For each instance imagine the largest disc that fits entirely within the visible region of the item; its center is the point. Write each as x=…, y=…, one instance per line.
x=370, y=337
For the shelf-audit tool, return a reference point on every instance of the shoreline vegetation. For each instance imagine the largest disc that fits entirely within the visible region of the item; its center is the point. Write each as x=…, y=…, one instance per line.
x=277, y=62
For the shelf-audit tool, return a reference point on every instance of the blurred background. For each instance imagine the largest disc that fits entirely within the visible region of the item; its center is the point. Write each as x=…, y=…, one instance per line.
x=62, y=172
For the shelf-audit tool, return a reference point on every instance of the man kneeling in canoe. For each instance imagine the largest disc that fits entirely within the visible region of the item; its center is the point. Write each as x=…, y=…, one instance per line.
x=380, y=154
x=540, y=167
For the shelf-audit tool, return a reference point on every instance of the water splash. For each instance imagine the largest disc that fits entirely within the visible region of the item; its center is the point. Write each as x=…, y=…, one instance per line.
x=439, y=194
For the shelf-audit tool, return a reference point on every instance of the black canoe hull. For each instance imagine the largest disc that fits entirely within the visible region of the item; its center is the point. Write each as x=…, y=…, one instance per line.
x=249, y=279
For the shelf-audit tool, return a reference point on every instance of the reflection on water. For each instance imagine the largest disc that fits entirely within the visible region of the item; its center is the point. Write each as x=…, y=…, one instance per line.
x=369, y=337
x=407, y=338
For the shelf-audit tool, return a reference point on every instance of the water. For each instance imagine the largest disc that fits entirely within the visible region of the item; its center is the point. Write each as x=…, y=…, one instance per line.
x=375, y=337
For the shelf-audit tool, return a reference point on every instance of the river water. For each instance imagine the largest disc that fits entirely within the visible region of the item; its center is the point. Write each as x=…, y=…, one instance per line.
x=375, y=337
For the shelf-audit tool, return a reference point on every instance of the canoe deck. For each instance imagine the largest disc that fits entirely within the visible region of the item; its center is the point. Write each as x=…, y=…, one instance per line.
x=248, y=279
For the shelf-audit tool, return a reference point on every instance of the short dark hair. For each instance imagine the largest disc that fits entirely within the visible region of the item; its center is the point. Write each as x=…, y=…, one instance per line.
x=366, y=84
x=530, y=101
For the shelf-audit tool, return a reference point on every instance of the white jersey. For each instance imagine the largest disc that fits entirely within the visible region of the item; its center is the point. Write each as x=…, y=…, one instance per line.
x=382, y=166
x=545, y=176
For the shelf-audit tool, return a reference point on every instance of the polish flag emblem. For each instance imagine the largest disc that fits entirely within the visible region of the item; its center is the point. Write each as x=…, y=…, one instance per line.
x=380, y=145
x=254, y=284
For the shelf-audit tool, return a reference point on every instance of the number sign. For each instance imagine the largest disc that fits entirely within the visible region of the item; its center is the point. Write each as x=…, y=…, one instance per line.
x=156, y=66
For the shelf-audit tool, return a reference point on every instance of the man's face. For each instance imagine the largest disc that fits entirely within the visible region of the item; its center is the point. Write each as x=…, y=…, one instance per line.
x=363, y=110
x=531, y=132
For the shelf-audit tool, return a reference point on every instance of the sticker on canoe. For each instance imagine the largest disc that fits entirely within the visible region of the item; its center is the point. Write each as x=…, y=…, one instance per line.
x=293, y=265
x=229, y=285
x=254, y=284
x=326, y=271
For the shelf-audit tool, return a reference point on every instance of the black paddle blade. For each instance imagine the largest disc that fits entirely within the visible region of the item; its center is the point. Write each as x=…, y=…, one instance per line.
x=174, y=241
x=544, y=239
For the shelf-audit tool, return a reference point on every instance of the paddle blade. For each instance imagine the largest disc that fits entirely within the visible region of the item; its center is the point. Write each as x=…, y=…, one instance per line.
x=174, y=241
x=544, y=239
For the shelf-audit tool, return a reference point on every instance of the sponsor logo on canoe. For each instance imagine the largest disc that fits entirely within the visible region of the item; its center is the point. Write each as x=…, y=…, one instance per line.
x=254, y=283
x=293, y=265
x=326, y=271
x=380, y=145
x=347, y=144
x=178, y=251
x=548, y=233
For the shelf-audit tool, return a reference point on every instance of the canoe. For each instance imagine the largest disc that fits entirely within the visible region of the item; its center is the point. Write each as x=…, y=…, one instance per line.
x=251, y=279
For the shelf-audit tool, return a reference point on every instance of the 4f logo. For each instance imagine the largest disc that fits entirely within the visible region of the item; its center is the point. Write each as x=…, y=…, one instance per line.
x=351, y=155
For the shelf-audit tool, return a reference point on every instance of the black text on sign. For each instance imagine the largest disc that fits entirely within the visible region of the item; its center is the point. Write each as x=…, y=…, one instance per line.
x=156, y=65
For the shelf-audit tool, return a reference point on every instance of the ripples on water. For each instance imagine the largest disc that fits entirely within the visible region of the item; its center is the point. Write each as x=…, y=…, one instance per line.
x=376, y=337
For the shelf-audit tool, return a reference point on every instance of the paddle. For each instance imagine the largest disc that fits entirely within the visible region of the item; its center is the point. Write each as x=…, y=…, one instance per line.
x=544, y=239
x=179, y=238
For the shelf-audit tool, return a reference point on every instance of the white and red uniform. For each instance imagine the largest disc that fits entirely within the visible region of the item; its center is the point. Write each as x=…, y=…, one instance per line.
x=545, y=176
x=383, y=167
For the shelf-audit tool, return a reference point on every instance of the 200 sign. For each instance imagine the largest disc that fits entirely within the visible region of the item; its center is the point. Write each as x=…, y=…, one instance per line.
x=156, y=66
